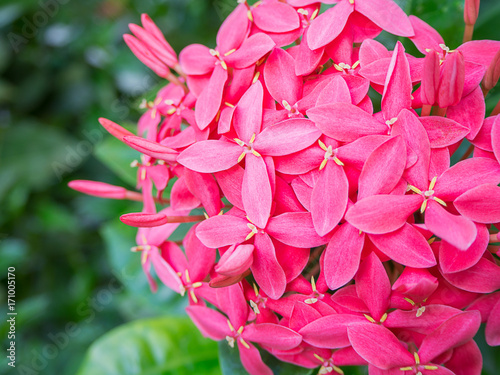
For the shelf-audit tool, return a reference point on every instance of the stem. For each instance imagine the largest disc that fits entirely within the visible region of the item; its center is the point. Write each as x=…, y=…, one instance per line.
x=135, y=196
x=441, y=111
x=494, y=238
x=496, y=111
x=467, y=153
x=173, y=78
x=469, y=30
x=426, y=110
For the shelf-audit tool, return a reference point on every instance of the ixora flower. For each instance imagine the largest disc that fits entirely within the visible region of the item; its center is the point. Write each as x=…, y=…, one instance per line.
x=335, y=232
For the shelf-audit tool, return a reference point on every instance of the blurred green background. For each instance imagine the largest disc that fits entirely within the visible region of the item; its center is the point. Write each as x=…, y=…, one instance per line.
x=63, y=64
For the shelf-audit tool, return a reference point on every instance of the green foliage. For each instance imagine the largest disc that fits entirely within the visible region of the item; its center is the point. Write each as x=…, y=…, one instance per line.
x=158, y=346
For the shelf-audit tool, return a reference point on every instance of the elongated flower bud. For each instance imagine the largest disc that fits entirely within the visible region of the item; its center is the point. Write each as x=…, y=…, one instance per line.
x=471, y=11
x=114, y=129
x=146, y=57
x=452, y=80
x=492, y=73
x=154, y=45
x=150, y=148
x=430, y=79
x=99, y=189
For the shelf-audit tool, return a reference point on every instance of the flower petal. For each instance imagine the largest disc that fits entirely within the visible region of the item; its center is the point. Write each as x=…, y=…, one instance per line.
x=481, y=204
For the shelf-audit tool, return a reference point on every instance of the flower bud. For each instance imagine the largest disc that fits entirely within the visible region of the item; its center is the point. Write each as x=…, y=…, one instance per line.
x=492, y=73
x=98, y=189
x=452, y=80
x=430, y=79
x=471, y=11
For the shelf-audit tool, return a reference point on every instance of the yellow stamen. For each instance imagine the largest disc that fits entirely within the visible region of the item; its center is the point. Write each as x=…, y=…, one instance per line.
x=230, y=52
x=169, y=102
x=197, y=284
x=193, y=296
x=338, y=67
x=417, y=358
x=423, y=207
x=311, y=301
x=409, y=368
x=153, y=113
x=351, y=1
x=337, y=160
x=252, y=139
x=255, y=289
x=254, y=307
x=440, y=201
x=239, y=142
x=302, y=11
x=256, y=153
x=249, y=15
x=286, y=105
x=431, y=240
x=144, y=257
x=206, y=215
x=224, y=65
x=322, y=145
x=433, y=183
x=409, y=301
x=229, y=104
x=415, y=189
x=230, y=326
x=217, y=117
x=427, y=367
x=256, y=77
x=230, y=341
x=143, y=174
x=213, y=52
x=171, y=111
x=355, y=65
x=338, y=370
x=240, y=329
x=313, y=284
x=244, y=343
x=182, y=290
x=369, y=318
x=188, y=279
x=383, y=318
x=318, y=358
x=242, y=156
x=315, y=13
x=323, y=164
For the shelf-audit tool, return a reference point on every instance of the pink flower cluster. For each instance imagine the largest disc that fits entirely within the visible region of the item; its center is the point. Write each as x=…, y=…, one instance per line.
x=331, y=235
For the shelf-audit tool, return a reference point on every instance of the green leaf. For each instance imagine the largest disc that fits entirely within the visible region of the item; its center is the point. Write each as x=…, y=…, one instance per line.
x=160, y=346
x=230, y=363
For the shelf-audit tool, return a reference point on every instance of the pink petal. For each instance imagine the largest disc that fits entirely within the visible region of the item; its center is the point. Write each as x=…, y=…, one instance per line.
x=210, y=156
x=430, y=79
x=452, y=79
x=295, y=229
x=466, y=359
x=287, y=137
x=457, y=230
x=387, y=15
x=495, y=138
x=114, y=129
x=247, y=118
x=329, y=25
x=201, y=258
x=477, y=171
x=432, y=317
x=330, y=331
x=222, y=230
x=480, y=51
x=454, y=332
x=272, y=335
x=483, y=138
x=276, y=17
x=398, y=85
x=345, y=122
x=235, y=261
x=481, y=204
x=230, y=182
x=383, y=168
x=426, y=37
x=443, y=131
x=373, y=286
x=181, y=198
x=342, y=256
x=209, y=101
x=266, y=269
x=356, y=153
x=492, y=330
x=470, y=112
x=371, y=51
x=307, y=60
x=378, y=346
x=256, y=191
x=251, y=51
x=336, y=91
x=233, y=30
x=204, y=187
x=406, y=246
x=483, y=277
x=280, y=78
x=329, y=198
x=452, y=259
x=252, y=361
x=196, y=59
x=381, y=214
x=232, y=302
x=291, y=259
x=211, y=323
